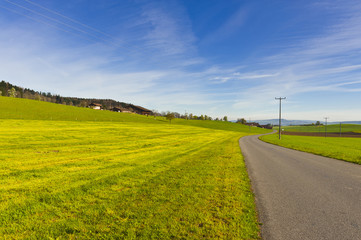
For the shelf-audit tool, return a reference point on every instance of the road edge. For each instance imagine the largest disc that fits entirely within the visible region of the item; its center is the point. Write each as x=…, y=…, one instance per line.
x=258, y=204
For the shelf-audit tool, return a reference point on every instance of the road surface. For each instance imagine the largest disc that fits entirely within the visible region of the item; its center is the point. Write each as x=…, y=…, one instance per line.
x=301, y=195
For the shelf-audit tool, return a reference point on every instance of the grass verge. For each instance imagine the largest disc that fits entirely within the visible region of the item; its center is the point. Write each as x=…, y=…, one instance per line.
x=347, y=149
x=331, y=128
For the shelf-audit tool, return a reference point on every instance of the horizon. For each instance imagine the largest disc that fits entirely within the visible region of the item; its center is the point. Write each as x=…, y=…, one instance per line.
x=202, y=57
x=308, y=120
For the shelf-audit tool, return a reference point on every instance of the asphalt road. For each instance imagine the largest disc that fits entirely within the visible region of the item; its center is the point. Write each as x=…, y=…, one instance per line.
x=301, y=195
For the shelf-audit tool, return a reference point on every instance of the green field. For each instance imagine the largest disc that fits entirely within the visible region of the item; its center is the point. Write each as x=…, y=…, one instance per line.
x=18, y=108
x=321, y=128
x=74, y=173
x=347, y=149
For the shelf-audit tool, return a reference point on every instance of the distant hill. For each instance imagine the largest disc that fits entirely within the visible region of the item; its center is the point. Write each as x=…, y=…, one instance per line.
x=7, y=89
x=349, y=122
x=28, y=109
x=286, y=122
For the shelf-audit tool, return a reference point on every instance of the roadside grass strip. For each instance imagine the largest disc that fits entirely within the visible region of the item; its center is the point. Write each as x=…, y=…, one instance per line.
x=122, y=180
x=331, y=128
x=347, y=149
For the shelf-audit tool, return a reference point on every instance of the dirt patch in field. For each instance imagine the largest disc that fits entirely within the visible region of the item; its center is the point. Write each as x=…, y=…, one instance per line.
x=322, y=134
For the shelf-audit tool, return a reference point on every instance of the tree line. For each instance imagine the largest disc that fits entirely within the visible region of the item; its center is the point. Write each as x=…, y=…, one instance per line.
x=10, y=90
x=188, y=116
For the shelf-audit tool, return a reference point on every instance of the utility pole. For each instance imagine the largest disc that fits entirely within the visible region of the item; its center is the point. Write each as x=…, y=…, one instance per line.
x=279, y=131
x=326, y=125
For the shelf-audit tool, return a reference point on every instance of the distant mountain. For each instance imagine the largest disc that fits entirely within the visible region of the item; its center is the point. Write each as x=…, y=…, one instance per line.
x=285, y=122
x=349, y=122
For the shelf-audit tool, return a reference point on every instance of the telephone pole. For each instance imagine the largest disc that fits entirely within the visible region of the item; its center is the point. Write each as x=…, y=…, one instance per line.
x=279, y=131
x=326, y=125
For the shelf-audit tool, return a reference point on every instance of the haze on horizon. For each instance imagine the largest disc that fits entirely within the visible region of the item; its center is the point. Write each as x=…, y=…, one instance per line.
x=219, y=58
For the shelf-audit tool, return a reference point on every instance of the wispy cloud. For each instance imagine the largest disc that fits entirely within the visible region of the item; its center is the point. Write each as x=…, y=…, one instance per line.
x=232, y=25
x=154, y=60
x=170, y=30
x=238, y=76
x=324, y=63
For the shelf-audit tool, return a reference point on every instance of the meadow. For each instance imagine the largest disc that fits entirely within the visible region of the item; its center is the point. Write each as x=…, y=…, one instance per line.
x=347, y=149
x=321, y=128
x=18, y=108
x=106, y=175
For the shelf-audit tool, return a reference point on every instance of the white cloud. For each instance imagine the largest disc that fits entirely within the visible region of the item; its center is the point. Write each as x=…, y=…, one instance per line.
x=170, y=30
x=327, y=63
x=232, y=25
x=155, y=63
x=238, y=76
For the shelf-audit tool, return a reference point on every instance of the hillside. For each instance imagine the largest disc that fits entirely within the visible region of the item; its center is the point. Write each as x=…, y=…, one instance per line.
x=7, y=89
x=18, y=108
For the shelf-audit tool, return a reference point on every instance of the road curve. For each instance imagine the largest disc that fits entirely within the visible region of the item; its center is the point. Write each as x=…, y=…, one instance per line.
x=301, y=195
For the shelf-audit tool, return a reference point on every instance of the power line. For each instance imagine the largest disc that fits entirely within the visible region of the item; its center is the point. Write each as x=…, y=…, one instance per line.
x=279, y=124
x=68, y=18
x=69, y=25
x=57, y=21
x=78, y=31
x=326, y=125
x=43, y=22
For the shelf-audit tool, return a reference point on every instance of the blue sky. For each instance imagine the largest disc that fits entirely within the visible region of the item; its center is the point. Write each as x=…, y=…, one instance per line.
x=204, y=57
